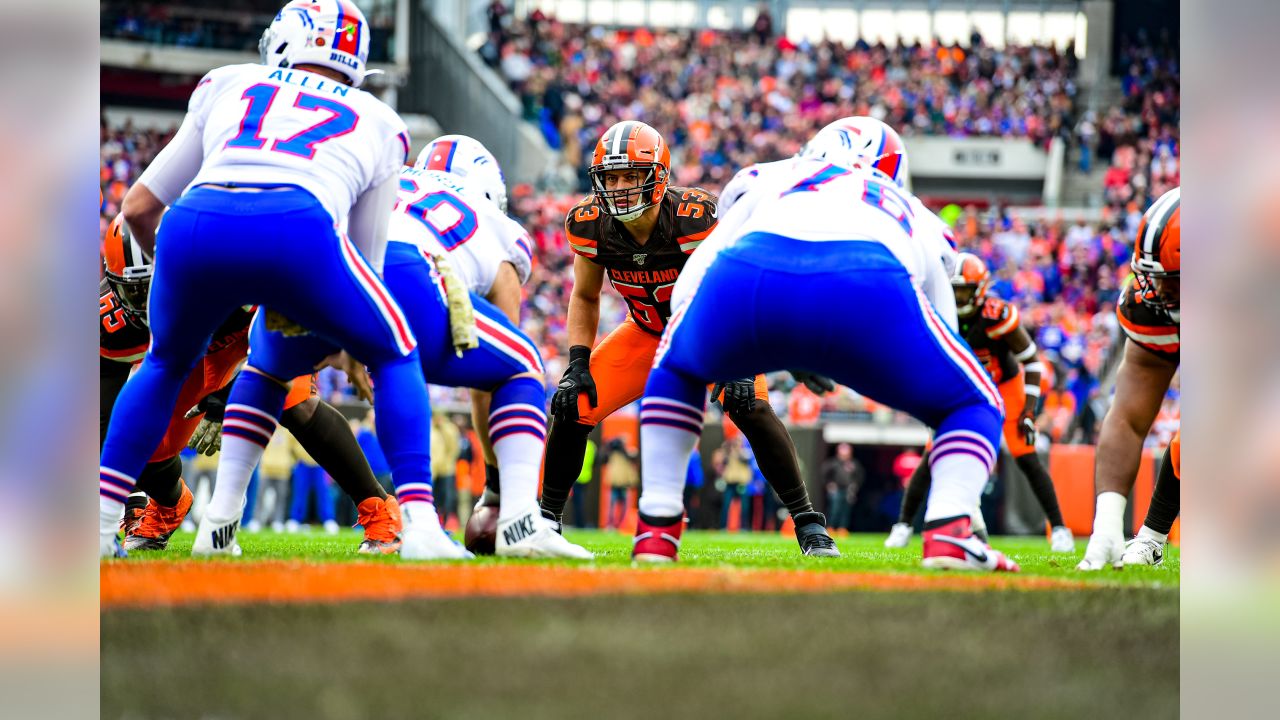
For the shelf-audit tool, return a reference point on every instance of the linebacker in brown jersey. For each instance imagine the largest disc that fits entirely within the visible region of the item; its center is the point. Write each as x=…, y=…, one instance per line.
x=1150, y=314
x=992, y=328
x=639, y=231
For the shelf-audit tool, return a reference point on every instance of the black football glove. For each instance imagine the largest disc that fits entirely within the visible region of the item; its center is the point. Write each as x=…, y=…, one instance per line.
x=577, y=379
x=207, y=439
x=1027, y=424
x=819, y=384
x=739, y=396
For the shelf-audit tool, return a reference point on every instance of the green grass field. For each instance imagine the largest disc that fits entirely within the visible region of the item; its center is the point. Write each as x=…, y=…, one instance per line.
x=1108, y=650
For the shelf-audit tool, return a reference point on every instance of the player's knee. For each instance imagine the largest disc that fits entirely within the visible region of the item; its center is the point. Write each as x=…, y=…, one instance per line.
x=300, y=414
x=761, y=411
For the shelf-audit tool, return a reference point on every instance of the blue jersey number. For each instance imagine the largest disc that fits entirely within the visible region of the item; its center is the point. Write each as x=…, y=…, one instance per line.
x=823, y=176
x=890, y=202
x=451, y=220
x=341, y=121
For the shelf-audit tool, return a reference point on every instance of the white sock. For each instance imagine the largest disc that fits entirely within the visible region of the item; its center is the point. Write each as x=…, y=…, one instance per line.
x=1146, y=532
x=664, y=453
x=1108, y=517
x=236, y=462
x=110, y=513
x=958, y=479
x=420, y=514
x=519, y=460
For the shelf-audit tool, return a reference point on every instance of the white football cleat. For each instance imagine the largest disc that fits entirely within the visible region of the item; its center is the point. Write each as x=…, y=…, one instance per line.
x=1104, y=549
x=1143, y=550
x=1061, y=540
x=531, y=535
x=216, y=537
x=109, y=546
x=423, y=542
x=899, y=535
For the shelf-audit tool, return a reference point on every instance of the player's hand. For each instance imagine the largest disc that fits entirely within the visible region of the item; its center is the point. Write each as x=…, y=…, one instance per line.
x=357, y=375
x=1027, y=424
x=577, y=379
x=207, y=439
x=739, y=396
x=818, y=384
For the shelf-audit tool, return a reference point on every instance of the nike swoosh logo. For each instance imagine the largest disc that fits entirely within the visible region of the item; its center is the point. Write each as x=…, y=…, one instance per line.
x=980, y=555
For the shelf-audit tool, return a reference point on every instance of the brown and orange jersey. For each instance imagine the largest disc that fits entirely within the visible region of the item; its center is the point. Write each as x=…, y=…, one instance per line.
x=1153, y=330
x=987, y=332
x=644, y=274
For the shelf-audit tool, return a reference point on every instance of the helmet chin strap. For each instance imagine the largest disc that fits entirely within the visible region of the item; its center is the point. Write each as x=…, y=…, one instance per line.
x=631, y=216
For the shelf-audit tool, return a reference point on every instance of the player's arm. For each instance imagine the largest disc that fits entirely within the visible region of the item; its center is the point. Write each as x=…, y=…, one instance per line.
x=111, y=379
x=505, y=295
x=1141, y=383
x=583, y=322
x=162, y=182
x=1024, y=351
x=367, y=224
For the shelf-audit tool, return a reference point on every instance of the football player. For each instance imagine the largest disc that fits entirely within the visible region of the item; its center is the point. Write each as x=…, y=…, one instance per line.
x=994, y=332
x=843, y=238
x=162, y=499
x=1149, y=313
x=451, y=247
x=278, y=184
x=638, y=230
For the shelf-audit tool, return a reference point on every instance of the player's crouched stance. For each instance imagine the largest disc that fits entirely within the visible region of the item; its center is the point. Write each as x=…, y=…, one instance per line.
x=798, y=242
x=451, y=246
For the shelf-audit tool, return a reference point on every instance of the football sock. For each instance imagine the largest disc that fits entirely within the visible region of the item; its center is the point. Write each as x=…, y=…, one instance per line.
x=402, y=415
x=162, y=481
x=914, y=494
x=247, y=426
x=1108, y=516
x=1042, y=486
x=518, y=431
x=960, y=464
x=326, y=436
x=566, y=448
x=776, y=455
x=671, y=415
x=1166, y=501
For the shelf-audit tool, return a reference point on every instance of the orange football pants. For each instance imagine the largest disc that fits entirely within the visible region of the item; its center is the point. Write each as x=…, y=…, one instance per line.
x=620, y=366
x=1175, y=453
x=211, y=374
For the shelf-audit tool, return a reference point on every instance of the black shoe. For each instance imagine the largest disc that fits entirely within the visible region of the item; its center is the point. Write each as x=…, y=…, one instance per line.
x=559, y=526
x=811, y=532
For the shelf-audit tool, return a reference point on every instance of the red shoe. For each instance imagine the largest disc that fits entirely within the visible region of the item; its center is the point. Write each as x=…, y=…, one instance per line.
x=657, y=539
x=158, y=523
x=132, y=516
x=952, y=545
x=382, y=524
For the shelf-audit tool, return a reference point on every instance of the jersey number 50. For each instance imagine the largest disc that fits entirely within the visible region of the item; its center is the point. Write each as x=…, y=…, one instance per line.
x=446, y=215
x=341, y=121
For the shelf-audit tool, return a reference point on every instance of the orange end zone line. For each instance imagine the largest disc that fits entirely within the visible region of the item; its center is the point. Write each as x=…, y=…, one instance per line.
x=125, y=585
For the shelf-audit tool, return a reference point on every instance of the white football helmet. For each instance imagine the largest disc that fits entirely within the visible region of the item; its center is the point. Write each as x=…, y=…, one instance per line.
x=864, y=142
x=328, y=33
x=466, y=159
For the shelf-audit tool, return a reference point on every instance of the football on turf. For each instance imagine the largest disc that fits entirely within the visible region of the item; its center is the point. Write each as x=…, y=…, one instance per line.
x=482, y=530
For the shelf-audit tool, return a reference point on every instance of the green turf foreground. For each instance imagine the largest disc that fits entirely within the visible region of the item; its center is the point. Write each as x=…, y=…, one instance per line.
x=1107, y=651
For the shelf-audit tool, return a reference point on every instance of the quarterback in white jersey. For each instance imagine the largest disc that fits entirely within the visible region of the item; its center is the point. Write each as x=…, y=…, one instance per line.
x=270, y=164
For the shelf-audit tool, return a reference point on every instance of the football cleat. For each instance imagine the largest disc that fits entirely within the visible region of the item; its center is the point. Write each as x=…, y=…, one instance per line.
x=216, y=537
x=158, y=523
x=1061, y=540
x=426, y=540
x=109, y=546
x=952, y=545
x=657, y=539
x=899, y=535
x=811, y=533
x=382, y=525
x=133, y=513
x=1104, y=549
x=532, y=535
x=1143, y=550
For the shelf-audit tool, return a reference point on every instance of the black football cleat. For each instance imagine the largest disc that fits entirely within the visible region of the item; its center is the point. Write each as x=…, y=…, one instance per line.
x=811, y=533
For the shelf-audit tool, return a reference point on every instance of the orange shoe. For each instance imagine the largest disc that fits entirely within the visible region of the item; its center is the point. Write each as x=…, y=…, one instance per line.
x=132, y=515
x=158, y=523
x=382, y=524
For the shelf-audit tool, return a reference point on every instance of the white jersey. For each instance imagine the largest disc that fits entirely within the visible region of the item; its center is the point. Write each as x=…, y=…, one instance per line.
x=257, y=125
x=812, y=200
x=436, y=212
